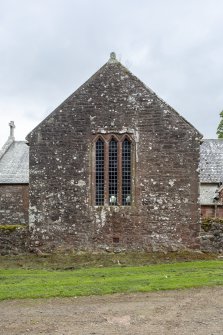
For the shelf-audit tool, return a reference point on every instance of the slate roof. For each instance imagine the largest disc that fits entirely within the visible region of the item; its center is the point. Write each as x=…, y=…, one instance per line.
x=211, y=161
x=208, y=193
x=14, y=163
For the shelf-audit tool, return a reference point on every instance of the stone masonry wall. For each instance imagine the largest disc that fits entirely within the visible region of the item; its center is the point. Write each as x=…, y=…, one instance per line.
x=14, y=207
x=14, y=204
x=165, y=212
x=14, y=239
x=212, y=235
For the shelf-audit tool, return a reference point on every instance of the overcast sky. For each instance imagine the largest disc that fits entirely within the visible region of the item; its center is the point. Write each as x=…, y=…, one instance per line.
x=48, y=48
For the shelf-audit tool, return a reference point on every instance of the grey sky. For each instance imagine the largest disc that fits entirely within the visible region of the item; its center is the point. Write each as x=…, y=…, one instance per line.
x=50, y=47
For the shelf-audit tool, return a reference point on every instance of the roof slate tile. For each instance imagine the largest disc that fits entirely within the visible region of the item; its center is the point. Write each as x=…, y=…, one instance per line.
x=14, y=164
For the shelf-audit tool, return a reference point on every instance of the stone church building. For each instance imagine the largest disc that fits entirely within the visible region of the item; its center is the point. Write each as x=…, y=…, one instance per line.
x=114, y=167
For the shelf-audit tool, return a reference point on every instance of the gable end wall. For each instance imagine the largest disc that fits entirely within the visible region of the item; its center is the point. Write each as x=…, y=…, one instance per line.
x=166, y=211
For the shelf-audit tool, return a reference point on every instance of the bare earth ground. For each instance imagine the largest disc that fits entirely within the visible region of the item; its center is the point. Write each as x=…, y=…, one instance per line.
x=194, y=311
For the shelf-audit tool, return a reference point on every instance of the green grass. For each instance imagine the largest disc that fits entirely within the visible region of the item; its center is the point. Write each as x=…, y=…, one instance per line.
x=26, y=283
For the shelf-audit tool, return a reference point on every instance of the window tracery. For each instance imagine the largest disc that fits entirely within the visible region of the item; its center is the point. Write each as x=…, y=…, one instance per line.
x=112, y=177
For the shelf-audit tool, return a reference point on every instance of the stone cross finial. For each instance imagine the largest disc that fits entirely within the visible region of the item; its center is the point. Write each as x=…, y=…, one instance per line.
x=112, y=55
x=112, y=58
x=12, y=127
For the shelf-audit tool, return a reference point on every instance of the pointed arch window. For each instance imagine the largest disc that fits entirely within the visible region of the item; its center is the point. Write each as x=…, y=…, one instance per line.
x=99, y=172
x=112, y=170
x=126, y=172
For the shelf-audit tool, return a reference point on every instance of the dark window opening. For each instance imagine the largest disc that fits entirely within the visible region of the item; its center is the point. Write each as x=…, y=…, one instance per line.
x=99, y=199
x=115, y=239
x=126, y=173
x=113, y=172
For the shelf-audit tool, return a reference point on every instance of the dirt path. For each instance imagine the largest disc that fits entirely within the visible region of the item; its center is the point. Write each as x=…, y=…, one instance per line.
x=197, y=311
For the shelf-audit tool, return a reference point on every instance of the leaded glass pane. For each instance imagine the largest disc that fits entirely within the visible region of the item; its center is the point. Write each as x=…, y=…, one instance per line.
x=126, y=173
x=99, y=199
x=113, y=172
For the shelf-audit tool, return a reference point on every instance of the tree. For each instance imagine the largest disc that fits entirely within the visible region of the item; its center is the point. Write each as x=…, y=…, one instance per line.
x=220, y=126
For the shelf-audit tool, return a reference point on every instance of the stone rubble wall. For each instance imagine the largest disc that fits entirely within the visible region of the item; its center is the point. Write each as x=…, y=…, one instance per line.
x=14, y=239
x=165, y=214
x=211, y=235
x=14, y=204
x=14, y=218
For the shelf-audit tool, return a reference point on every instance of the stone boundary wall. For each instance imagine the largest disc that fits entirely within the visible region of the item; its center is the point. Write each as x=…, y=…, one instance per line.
x=14, y=204
x=14, y=239
x=211, y=235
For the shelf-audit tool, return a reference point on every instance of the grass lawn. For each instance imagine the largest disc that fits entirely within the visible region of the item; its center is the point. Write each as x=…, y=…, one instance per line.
x=28, y=283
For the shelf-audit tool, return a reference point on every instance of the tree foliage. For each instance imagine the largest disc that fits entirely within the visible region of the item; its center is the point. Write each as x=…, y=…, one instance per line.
x=220, y=126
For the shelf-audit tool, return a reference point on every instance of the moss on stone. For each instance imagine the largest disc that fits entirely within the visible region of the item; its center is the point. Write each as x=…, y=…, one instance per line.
x=12, y=227
x=212, y=220
x=206, y=223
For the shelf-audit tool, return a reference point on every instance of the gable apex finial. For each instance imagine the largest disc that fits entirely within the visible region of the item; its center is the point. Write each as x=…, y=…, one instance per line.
x=12, y=127
x=112, y=57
